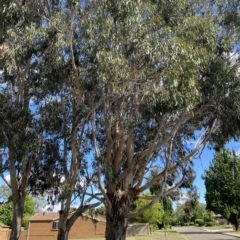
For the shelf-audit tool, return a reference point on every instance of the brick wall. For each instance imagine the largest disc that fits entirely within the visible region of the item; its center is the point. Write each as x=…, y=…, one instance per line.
x=82, y=228
x=5, y=234
x=23, y=235
x=41, y=230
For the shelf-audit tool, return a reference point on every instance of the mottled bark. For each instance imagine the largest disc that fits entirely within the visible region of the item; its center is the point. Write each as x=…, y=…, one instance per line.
x=116, y=222
x=17, y=219
x=63, y=227
x=62, y=234
x=116, y=227
x=66, y=222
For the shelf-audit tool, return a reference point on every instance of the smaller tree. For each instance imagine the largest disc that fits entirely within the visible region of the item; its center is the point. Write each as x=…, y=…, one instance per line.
x=177, y=218
x=153, y=215
x=190, y=204
x=101, y=210
x=200, y=212
x=6, y=211
x=222, y=181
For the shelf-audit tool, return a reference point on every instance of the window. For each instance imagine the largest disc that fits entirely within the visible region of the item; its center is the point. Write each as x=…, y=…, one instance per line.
x=55, y=225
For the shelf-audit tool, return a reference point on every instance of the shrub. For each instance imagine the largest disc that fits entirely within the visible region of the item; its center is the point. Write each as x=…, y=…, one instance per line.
x=25, y=221
x=174, y=223
x=200, y=222
x=153, y=227
x=191, y=224
x=209, y=224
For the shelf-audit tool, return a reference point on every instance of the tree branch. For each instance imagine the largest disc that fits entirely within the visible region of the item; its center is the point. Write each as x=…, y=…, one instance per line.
x=185, y=159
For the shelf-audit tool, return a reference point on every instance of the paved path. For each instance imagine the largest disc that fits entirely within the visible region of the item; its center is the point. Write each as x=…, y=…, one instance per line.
x=198, y=234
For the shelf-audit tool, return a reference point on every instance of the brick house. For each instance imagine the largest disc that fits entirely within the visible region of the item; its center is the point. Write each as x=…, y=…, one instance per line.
x=44, y=226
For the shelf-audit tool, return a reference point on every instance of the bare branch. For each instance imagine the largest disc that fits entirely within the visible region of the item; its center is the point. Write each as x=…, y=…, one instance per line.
x=184, y=160
x=109, y=205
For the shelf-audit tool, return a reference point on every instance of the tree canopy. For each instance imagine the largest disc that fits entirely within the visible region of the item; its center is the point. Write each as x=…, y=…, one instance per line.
x=100, y=93
x=222, y=181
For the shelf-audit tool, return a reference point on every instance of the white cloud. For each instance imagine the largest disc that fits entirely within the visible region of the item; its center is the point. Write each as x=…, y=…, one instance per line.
x=183, y=198
x=51, y=208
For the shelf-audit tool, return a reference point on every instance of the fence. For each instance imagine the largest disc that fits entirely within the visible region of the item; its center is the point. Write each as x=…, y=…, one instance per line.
x=138, y=229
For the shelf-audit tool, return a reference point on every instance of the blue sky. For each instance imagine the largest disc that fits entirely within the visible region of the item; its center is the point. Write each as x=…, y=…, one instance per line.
x=201, y=164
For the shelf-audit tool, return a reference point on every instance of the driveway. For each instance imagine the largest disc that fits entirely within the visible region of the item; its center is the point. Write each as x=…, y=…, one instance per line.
x=198, y=234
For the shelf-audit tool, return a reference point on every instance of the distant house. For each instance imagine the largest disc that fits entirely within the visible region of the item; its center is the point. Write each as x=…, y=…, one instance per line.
x=220, y=219
x=44, y=226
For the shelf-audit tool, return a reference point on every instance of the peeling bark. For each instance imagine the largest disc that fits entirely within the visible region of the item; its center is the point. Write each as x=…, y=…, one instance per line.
x=18, y=204
x=116, y=222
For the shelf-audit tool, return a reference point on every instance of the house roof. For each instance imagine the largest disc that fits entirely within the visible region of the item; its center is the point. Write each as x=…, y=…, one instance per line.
x=51, y=216
x=45, y=216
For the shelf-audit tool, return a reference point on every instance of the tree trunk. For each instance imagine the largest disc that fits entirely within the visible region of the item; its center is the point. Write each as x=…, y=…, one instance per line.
x=234, y=221
x=17, y=220
x=116, y=228
x=63, y=234
x=63, y=225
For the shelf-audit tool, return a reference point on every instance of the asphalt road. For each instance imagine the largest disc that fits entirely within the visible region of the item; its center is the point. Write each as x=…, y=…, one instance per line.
x=197, y=234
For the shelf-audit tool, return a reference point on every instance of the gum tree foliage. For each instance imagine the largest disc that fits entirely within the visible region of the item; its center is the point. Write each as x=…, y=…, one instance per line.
x=55, y=100
x=33, y=71
x=65, y=115
x=139, y=79
x=22, y=42
x=222, y=181
x=160, y=73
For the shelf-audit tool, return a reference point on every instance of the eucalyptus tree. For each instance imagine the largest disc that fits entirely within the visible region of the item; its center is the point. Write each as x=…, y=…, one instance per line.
x=141, y=79
x=190, y=204
x=44, y=110
x=23, y=41
x=65, y=113
x=162, y=79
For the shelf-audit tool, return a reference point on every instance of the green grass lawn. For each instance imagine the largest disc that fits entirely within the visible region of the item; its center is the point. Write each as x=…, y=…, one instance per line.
x=157, y=235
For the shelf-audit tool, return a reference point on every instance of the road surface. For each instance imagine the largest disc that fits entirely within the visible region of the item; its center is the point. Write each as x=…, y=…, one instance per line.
x=198, y=234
